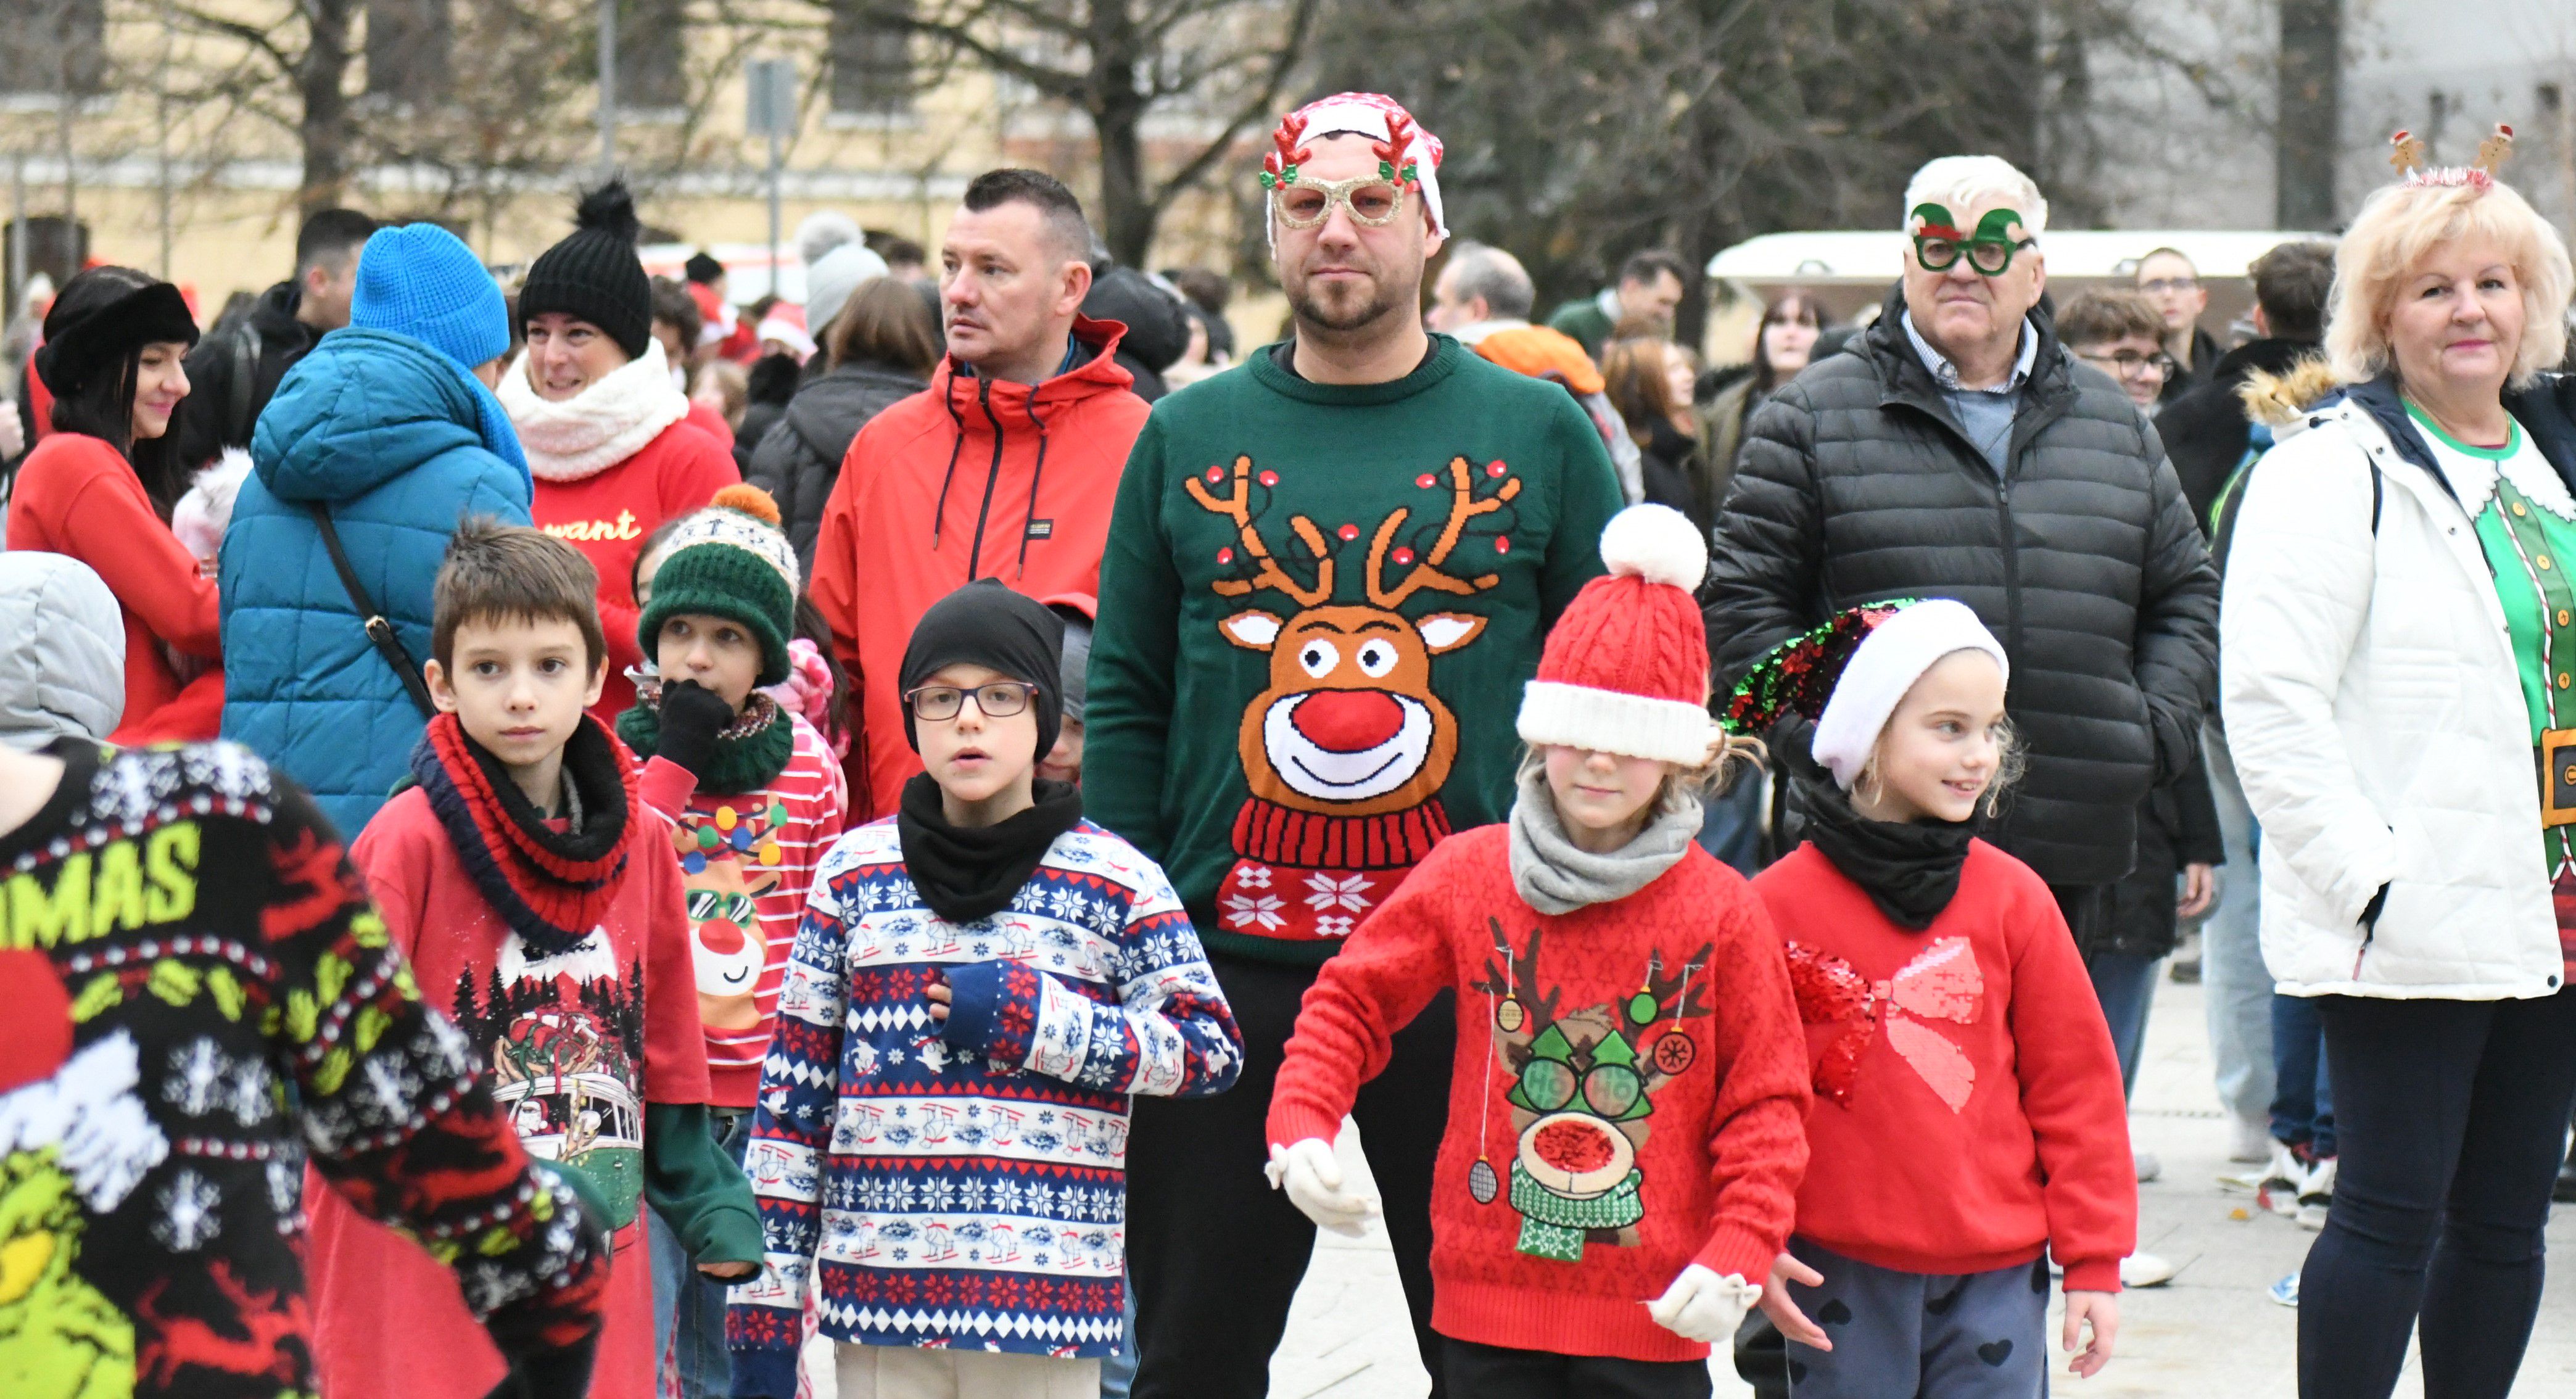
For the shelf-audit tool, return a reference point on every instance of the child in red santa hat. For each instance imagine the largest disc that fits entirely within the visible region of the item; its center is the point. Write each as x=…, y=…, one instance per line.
x=1623, y=1144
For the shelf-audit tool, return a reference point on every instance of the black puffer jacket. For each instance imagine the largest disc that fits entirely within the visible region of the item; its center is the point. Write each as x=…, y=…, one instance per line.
x=1856, y=483
x=799, y=458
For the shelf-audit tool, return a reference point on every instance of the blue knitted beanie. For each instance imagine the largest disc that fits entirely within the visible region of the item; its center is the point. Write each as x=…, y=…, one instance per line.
x=422, y=281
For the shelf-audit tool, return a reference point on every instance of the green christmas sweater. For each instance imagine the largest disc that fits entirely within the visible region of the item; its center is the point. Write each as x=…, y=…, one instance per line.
x=1317, y=610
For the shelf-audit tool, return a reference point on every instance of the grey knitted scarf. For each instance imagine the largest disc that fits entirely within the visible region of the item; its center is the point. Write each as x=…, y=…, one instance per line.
x=1556, y=877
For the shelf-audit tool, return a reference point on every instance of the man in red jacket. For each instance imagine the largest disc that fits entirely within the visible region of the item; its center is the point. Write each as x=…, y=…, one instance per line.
x=1005, y=467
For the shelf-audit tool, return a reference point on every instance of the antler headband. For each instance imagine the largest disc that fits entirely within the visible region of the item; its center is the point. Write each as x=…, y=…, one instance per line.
x=1394, y=158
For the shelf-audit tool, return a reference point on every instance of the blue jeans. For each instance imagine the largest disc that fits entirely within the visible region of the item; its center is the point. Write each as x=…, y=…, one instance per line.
x=689, y=1306
x=2125, y=984
x=2239, y=994
x=2303, y=1100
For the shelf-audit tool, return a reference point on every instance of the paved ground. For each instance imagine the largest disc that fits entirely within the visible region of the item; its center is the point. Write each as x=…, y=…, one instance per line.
x=2210, y=1333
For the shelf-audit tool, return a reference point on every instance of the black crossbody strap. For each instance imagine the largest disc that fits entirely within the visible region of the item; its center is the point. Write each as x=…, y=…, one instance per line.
x=379, y=631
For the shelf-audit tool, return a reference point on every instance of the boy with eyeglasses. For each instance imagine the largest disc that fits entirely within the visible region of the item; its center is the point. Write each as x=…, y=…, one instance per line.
x=2120, y=334
x=980, y=984
x=2171, y=284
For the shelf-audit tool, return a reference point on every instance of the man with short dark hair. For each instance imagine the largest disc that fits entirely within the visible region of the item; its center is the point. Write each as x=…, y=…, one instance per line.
x=2204, y=429
x=1650, y=286
x=232, y=377
x=1332, y=570
x=1005, y=467
x=2171, y=283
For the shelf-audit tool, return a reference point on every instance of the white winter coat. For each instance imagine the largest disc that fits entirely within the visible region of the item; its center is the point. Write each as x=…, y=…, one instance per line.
x=2377, y=721
x=62, y=650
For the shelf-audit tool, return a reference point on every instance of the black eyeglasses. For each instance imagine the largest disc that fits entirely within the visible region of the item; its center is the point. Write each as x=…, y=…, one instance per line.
x=1989, y=257
x=999, y=700
x=2129, y=364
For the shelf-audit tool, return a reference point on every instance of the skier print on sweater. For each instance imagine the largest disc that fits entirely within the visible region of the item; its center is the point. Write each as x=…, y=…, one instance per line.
x=1346, y=750
x=1582, y=1086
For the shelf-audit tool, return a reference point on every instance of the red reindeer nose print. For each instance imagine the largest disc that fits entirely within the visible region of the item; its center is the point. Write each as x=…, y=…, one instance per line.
x=721, y=936
x=1348, y=721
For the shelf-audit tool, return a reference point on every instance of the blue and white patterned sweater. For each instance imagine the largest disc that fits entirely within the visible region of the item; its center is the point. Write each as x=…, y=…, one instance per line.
x=966, y=1185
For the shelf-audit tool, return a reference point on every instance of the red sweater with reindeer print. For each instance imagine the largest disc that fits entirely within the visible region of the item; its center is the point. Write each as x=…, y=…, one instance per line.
x=1624, y=1099
x=1967, y=1101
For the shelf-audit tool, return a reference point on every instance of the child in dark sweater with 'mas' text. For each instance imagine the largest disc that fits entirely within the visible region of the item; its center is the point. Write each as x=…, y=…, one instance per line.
x=979, y=985
x=1623, y=1143
x=539, y=901
x=1968, y=1116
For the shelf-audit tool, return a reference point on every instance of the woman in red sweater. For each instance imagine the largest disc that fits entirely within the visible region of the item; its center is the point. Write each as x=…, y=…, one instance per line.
x=605, y=430
x=1623, y=1113
x=100, y=487
x=1967, y=1118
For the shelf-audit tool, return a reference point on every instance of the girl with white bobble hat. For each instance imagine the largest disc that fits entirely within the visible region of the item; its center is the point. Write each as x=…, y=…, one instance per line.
x=1623, y=1146
x=1967, y=1120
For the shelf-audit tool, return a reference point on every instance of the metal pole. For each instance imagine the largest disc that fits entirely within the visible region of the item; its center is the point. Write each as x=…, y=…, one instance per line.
x=17, y=234
x=773, y=206
x=607, y=88
x=161, y=114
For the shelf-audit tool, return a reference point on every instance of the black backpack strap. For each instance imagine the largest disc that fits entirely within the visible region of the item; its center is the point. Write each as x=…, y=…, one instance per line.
x=379, y=631
x=239, y=420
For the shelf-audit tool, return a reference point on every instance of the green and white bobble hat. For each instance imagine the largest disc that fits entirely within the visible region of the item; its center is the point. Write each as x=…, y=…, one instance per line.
x=730, y=560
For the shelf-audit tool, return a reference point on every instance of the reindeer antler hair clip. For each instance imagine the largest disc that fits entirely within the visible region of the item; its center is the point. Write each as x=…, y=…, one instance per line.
x=2408, y=158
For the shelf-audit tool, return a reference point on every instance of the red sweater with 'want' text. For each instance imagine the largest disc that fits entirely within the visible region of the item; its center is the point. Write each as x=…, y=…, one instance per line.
x=1624, y=1101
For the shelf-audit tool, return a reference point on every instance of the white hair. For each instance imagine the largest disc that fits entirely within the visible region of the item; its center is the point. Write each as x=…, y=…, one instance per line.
x=1957, y=182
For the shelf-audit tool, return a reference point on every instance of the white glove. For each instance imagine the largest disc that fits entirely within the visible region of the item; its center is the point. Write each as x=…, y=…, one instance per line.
x=1703, y=1306
x=1313, y=1180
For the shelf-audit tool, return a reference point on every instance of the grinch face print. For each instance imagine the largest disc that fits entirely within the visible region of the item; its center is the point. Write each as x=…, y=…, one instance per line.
x=1346, y=749
x=728, y=859
x=1582, y=1086
x=1938, y=243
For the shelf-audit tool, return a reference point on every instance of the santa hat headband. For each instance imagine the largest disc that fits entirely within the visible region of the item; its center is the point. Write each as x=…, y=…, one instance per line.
x=1849, y=674
x=1406, y=153
x=1626, y=666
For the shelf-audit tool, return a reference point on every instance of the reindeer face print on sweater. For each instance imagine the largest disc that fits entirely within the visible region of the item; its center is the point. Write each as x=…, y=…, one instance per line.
x=1582, y=1088
x=1346, y=750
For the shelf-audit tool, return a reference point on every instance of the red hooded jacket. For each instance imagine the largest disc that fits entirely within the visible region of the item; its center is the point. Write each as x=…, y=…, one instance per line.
x=970, y=478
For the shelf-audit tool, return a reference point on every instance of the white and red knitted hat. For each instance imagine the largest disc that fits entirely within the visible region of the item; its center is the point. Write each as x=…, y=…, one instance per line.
x=1626, y=666
x=1407, y=152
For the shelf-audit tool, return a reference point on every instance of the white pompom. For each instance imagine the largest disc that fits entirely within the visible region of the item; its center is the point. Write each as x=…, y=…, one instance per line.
x=1656, y=543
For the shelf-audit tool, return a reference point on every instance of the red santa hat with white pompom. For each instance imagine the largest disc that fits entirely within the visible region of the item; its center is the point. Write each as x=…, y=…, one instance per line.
x=1626, y=666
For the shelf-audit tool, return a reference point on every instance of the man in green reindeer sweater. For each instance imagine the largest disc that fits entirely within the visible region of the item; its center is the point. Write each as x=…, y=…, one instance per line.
x=1329, y=573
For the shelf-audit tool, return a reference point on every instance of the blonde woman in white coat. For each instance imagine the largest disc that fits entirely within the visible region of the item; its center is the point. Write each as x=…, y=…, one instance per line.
x=2398, y=644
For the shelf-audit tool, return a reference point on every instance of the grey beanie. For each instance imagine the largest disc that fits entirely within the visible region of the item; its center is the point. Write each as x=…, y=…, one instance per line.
x=831, y=281
x=62, y=651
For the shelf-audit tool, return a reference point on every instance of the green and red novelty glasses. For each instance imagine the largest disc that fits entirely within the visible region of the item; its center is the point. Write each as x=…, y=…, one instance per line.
x=1938, y=243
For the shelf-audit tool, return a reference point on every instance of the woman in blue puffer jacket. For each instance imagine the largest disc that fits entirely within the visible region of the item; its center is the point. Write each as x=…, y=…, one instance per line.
x=390, y=425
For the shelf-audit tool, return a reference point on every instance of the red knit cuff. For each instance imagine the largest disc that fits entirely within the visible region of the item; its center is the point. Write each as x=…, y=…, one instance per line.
x=1290, y=1125
x=1735, y=1249
x=2093, y=1275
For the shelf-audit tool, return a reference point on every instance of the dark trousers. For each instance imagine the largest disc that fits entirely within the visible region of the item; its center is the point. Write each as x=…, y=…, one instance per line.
x=2125, y=984
x=1955, y=1336
x=2451, y=1118
x=1497, y=1372
x=2302, y=1090
x=1214, y=1253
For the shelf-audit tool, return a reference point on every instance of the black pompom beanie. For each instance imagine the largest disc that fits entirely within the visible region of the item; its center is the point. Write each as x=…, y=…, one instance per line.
x=987, y=624
x=594, y=274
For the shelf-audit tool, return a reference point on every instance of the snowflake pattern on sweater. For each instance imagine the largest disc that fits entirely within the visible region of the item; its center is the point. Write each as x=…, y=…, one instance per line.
x=965, y=1185
x=200, y=995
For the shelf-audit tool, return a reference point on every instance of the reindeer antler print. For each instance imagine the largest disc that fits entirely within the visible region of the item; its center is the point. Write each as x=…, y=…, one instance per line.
x=1237, y=506
x=1427, y=572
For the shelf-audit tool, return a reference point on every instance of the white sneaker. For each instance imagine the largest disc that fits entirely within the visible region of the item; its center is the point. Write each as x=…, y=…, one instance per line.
x=2148, y=1166
x=2249, y=1140
x=2146, y=1270
x=2316, y=1194
x=2277, y=1184
x=2285, y=1292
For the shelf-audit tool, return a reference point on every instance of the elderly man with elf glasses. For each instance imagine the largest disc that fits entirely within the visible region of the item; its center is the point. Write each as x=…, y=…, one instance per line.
x=1956, y=452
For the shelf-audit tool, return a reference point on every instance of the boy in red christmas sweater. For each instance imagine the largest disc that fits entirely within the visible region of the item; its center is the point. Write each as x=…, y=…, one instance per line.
x=1628, y=1082
x=754, y=796
x=1968, y=1117
x=539, y=900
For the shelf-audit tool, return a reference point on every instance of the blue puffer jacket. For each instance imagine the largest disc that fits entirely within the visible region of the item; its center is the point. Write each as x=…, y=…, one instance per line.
x=390, y=434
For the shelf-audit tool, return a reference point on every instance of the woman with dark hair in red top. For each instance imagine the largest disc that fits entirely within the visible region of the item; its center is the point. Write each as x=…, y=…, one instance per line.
x=101, y=485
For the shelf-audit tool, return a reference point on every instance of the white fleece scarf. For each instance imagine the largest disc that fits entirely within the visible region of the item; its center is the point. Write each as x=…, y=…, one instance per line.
x=599, y=427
